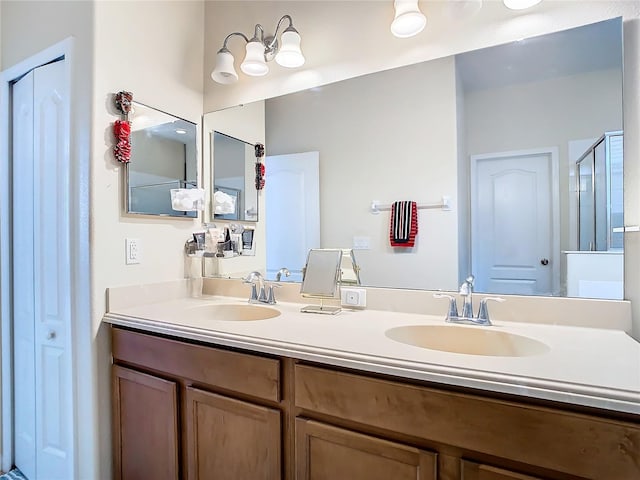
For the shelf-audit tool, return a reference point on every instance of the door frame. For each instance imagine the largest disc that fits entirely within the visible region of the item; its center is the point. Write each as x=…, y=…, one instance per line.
x=553, y=154
x=79, y=331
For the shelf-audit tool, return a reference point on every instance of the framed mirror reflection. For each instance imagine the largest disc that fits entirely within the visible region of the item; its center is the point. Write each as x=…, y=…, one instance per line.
x=164, y=156
x=234, y=196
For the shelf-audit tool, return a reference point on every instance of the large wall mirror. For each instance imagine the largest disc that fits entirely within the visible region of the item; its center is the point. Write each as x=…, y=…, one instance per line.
x=163, y=157
x=499, y=130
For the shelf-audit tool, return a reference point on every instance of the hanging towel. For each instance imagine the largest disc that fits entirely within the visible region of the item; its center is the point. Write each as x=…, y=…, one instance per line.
x=404, y=224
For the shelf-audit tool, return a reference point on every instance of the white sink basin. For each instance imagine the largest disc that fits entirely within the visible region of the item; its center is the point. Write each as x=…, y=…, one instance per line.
x=231, y=312
x=470, y=340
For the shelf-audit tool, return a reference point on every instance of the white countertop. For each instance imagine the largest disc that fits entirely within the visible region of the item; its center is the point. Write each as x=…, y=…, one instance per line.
x=585, y=366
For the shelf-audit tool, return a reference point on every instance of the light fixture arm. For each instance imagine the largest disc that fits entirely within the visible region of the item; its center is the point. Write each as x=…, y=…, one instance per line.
x=239, y=34
x=275, y=35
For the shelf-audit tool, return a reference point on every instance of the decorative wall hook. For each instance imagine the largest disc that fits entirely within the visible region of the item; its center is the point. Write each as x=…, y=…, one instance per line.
x=260, y=170
x=122, y=127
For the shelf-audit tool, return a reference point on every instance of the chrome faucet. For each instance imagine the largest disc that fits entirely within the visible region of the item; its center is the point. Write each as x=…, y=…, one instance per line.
x=261, y=292
x=258, y=293
x=466, y=289
x=283, y=271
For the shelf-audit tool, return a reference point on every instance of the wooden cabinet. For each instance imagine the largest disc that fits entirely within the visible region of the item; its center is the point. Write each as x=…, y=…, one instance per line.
x=540, y=441
x=329, y=453
x=230, y=439
x=145, y=426
x=197, y=412
x=188, y=411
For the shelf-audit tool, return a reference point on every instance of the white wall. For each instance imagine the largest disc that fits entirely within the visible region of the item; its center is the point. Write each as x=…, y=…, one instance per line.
x=405, y=154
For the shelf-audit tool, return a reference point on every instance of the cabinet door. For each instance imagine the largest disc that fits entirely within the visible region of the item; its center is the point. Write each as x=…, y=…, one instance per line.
x=145, y=426
x=229, y=439
x=329, y=453
x=477, y=471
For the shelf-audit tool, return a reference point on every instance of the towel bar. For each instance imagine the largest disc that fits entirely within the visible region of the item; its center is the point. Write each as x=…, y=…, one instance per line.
x=445, y=204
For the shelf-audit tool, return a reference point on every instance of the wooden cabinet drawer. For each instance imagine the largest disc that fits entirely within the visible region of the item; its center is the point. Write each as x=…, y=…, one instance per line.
x=576, y=444
x=240, y=372
x=327, y=453
x=478, y=471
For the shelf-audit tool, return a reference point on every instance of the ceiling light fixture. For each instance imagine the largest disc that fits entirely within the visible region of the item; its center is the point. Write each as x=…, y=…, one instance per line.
x=520, y=4
x=409, y=20
x=260, y=50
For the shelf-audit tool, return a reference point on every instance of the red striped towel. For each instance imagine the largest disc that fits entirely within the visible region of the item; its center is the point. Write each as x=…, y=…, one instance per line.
x=404, y=224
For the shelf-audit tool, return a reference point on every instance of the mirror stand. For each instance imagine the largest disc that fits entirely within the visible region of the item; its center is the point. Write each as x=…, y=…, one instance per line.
x=321, y=276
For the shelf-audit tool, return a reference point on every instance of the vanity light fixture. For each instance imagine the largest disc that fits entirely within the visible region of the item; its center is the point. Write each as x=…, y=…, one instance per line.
x=409, y=20
x=258, y=51
x=520, y=4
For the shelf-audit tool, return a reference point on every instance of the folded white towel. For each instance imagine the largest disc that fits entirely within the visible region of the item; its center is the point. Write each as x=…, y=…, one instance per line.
x=223, y=203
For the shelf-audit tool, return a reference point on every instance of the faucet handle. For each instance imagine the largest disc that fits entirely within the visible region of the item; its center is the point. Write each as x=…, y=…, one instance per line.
x=262, y=297
x=483, y=310
x=271, y=296
x=453, y=306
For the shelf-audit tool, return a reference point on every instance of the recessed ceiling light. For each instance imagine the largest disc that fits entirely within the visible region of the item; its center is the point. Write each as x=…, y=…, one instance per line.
x=181, y=131
x=520, y=4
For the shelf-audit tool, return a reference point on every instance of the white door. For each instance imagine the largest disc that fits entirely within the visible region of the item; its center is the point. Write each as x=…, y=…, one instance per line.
x=512, y=221
x=292, y=203
x=43, y=410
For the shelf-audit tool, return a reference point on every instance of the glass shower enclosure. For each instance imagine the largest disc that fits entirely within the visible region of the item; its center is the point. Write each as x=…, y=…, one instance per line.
x=600, y=195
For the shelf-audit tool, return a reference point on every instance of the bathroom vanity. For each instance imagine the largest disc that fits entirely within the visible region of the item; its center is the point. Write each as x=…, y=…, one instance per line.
x=200, y=397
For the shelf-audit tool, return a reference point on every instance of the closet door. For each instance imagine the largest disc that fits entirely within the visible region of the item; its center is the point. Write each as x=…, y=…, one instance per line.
x=43, y=410
x=24, y=353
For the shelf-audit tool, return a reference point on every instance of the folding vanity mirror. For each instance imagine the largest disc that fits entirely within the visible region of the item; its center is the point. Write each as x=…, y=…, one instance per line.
x=163, y=157
x=320, y=279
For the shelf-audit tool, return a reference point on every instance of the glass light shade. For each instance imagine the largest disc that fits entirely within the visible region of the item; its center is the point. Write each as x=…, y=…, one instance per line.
x=290, y=54
x=520, y=4
x=224, y=71
x=254, y=63
x=409, y=20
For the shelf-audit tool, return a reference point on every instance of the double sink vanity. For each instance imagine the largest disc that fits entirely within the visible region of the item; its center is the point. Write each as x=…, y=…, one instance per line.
x=215, y=387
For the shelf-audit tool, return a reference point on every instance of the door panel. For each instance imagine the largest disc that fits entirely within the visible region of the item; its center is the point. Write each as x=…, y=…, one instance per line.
x=512, y=216
x=293, y=209
x=327, y=453
x=54, y=409
x=229, y=439
x=145, y=420
x=23, y=278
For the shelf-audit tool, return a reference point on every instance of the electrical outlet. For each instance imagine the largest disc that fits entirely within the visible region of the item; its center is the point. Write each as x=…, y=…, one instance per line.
x=132, y=251
x=353, y=297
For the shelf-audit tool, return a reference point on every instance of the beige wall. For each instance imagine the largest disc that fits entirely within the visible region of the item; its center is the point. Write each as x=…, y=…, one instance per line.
x=405, y=154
